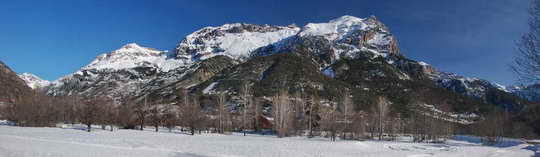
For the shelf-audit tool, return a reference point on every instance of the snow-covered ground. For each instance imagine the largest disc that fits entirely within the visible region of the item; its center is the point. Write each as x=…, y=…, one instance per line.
x=58, y=142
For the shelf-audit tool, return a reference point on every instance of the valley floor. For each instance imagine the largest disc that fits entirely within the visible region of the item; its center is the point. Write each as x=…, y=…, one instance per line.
x=57, y=142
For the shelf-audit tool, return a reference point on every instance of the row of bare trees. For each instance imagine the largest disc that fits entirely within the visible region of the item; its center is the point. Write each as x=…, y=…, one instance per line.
x=39, y=109
x=292, y=115
x=308, y=115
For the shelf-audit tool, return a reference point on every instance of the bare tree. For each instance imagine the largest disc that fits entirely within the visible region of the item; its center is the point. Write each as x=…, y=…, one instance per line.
x=170, y=117
x=527, y=59
x=155, y=115
x=192, y=115
x=299, y=109
x=71, y=109
x=258, y=108
x=348, y=111
x=223, y=113
x=382, y=111
x=35, y=109
x=183, y=100
x=246, y=95
x=111, y=113
x=313, y=113
x=126, y=114
x=89, y=112
x=8, y=110
x=490, y=129
x=282, y=113
x=358, y=124
x=141, y=110
x=329, y=121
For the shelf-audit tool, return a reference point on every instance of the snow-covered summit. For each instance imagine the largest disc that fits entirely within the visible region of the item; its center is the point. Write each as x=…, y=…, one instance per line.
x=118, y=73
x=133, y=55
x=135, y=48
x=336, y=28
x=349, y=37
x=34, y=81
x=347, y=28
x=233, y=40
x=239, y=41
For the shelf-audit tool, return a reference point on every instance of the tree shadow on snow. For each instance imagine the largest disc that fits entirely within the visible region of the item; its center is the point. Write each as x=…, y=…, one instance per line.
x=78, y=129
x=476, y=140
x=179, y=154
x=535, y=149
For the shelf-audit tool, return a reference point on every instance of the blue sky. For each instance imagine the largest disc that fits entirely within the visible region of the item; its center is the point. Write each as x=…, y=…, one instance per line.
x=52, y=38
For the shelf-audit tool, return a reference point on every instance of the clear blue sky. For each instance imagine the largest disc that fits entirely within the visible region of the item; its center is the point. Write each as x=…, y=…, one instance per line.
x=53, y=38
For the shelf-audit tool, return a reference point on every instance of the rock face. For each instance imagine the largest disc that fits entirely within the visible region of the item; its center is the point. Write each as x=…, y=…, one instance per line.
x=34, y=81
x=12, y=88
x=358, y=54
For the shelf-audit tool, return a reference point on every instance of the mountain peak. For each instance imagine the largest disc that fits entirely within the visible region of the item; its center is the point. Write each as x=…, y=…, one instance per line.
x=336, y=27
x=132, y=55
x=131, y=45
x=346, y=18
x=235, y=40
x=134, y=48
x=34, y=81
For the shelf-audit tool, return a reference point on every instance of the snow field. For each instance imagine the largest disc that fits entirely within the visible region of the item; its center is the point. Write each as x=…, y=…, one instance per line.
x=58, y=142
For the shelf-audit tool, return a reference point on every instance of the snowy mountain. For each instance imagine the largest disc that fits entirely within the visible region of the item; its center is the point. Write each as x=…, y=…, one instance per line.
x=236, y=41
x=131, y=56
x=34, y=81
x=344, y=53
x=350, y=35
x=118, y=74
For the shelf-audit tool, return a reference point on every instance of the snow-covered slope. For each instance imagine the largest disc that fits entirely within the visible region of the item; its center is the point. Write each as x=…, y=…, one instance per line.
x=345, y=27
x=337, y=28
x=34, y=81
x=234, y=40
x=131, y=56
x=118, y=74
x=349, y=36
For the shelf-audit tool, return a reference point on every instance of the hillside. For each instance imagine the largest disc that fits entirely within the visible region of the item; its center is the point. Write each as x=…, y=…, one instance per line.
x=12, y=87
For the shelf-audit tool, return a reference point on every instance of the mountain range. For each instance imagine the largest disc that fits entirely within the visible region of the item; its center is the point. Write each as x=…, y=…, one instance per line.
x=360, y=55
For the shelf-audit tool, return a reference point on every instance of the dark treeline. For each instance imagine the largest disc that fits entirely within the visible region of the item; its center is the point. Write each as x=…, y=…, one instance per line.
x=285, y=114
